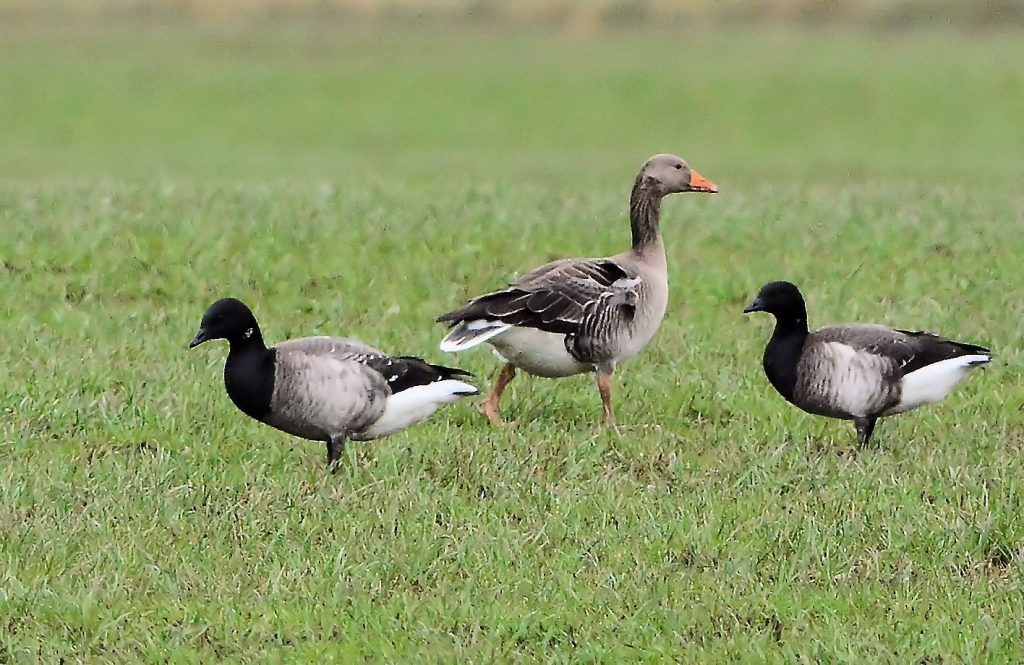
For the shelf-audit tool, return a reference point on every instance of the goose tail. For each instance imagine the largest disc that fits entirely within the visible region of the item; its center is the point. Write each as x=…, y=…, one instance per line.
x=414, y=405
x=467, y=334
x=933, y=383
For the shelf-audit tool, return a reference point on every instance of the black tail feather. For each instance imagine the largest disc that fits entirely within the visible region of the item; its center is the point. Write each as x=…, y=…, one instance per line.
x=963, y=348
x=404, y=372
x=450, y=372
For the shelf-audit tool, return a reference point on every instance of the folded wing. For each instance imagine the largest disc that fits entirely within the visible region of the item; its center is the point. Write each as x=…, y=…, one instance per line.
x=554, y=298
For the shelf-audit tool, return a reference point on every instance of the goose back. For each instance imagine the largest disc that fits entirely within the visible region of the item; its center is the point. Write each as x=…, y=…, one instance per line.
x=341, y=348
x=551, y=298
x=858, y=370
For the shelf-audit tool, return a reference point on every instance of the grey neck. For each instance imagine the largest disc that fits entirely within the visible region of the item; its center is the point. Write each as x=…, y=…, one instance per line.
x=644, y=213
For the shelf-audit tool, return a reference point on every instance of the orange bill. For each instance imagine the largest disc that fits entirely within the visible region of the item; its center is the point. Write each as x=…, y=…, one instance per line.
x=699, y=183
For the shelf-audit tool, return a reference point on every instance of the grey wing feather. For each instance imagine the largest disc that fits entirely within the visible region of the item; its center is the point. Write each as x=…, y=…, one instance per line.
x=553, y=298
x=334, y=347
x=316, y=396
x=870, y=338
x=605, y=323
x=910, y=350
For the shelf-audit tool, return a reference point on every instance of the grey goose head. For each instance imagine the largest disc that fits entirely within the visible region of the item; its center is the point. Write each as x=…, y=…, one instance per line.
x=666, y=174
x=229, y=319
x=661, y=175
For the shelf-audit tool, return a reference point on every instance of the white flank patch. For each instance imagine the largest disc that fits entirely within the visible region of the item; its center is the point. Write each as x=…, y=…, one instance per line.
x=538, y=352
x=936, y=381
x=414, y=405
x=624, y=283
x=468, y=334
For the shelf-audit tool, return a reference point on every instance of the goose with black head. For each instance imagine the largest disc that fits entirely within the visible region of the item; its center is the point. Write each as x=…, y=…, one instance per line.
x=857, y=371
x=326, y=389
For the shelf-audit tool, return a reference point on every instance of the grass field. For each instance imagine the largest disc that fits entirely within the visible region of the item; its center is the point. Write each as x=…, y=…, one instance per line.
x=360, y=182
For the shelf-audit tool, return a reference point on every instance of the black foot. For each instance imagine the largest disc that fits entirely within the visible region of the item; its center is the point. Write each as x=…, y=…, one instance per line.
x=335, y=449
x=865, y=426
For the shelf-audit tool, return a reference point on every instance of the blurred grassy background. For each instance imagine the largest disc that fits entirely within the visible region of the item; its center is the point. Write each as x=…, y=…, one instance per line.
x=573, y=14
x=249, y=98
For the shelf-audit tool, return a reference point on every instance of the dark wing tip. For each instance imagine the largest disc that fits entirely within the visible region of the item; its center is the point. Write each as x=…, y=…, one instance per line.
x=447, y=317
x=443, y=371
x=449, y=372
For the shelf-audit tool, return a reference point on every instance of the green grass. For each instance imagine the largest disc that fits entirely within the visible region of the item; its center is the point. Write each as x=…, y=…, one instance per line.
x=345, y=191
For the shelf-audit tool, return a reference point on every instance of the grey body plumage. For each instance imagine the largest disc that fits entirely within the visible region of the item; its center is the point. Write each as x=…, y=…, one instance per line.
x=854, y=370
x=322, y=388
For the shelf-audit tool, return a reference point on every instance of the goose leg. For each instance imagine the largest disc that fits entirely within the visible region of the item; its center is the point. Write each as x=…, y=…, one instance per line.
x=604, y=385
x=489, y=407
x=335, y=448
x=865, y=426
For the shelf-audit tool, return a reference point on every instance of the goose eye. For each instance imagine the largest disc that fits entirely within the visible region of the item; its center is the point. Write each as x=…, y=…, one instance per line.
x=678, y=167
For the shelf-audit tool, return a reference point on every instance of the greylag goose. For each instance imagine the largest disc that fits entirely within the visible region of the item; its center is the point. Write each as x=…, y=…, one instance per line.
x=325, y=388
x=580, y=315
x=857, y=371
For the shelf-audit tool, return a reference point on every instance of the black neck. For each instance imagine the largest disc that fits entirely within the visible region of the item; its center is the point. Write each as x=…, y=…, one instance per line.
x=249, y=375
x=644, y=212
x=783, y=353
x=250, y=341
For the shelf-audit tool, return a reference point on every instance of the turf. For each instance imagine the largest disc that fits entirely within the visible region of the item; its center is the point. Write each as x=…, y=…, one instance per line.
x=361, y=184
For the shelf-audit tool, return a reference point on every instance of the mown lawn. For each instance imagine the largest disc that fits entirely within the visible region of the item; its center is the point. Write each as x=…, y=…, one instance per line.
x=359, y=183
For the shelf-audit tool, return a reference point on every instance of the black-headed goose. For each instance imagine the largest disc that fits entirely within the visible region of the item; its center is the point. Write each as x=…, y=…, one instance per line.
x=857, y=371
x=580, y=315
x=325, y=388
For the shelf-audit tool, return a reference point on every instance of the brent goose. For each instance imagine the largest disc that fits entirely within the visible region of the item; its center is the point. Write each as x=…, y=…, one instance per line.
x=325, y=388
x=857, y=371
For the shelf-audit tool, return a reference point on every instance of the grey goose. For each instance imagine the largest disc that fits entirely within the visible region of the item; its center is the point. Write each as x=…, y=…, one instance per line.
x=580, y=315
x=326, y=389
x=857, y=371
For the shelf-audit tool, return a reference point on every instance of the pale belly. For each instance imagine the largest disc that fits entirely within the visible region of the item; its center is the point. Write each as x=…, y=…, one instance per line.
x=537, y=352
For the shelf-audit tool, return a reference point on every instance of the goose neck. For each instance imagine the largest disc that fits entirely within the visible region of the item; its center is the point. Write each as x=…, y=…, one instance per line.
x=250, y=342
x=249, y=377
x=644, y=216
x=782, y=355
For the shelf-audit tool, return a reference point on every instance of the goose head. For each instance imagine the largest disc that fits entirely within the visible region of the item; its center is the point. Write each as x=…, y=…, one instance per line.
x=228, y=319
x=780, y=299
x=667, y=174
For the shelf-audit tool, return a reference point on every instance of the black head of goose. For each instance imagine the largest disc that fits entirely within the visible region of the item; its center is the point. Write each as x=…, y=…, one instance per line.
x=327, y=389
x=857, y=371
x=580, y=315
